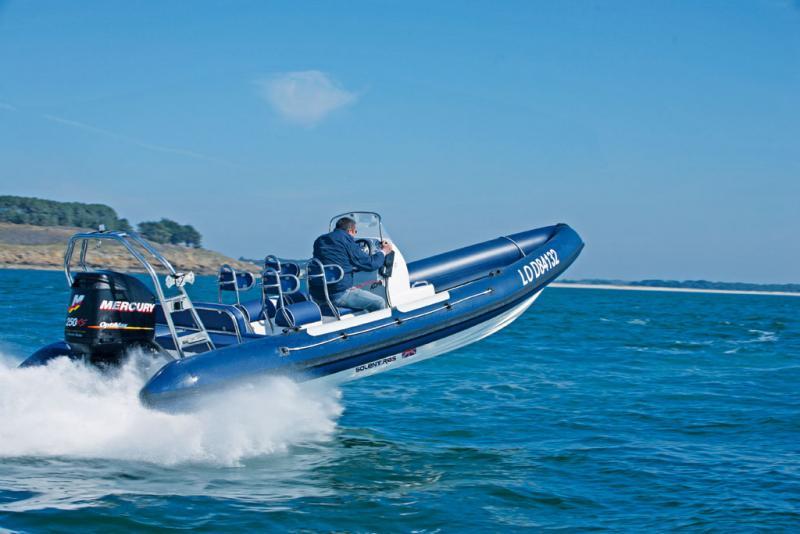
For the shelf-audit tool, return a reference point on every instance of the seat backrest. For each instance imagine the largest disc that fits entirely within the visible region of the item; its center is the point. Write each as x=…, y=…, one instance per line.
x=229, y=279
x=221, y=318
x=227, y=319
x=278, y=285
x=181, y=319
x=319, y=277
x=272, y=262
x=281, y=267
x=319, y=274
x=290, y=267
x=330, y=273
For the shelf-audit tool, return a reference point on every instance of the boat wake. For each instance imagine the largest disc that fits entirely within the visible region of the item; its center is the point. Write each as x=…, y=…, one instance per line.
x=68, y=409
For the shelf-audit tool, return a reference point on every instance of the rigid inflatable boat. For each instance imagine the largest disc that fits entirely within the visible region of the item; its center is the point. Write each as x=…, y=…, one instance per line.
x=434, y=305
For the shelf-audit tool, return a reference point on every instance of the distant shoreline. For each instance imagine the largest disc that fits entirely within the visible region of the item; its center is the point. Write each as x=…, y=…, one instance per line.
x=41, y=248
x=675, y=289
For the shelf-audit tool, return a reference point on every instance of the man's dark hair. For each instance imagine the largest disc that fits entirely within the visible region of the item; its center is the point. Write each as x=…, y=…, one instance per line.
x=346, y=224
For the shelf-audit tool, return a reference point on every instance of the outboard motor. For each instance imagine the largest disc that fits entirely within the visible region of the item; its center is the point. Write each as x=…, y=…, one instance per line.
x=109, y=313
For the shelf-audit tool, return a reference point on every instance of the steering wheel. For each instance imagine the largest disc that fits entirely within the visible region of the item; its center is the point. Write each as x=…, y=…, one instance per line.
x=366, y=245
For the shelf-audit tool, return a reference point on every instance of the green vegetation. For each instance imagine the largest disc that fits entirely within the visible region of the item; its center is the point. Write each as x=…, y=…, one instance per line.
x=40, y=212
x=167, y=231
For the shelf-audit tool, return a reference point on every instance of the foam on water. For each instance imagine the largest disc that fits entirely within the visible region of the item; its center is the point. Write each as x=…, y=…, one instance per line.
x=74, y=410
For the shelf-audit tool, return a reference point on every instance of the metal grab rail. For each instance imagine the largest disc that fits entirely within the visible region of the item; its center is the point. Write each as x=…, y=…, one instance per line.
x=169, y=305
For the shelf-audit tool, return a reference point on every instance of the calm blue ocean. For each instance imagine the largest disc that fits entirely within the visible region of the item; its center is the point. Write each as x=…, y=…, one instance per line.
x=596, y=409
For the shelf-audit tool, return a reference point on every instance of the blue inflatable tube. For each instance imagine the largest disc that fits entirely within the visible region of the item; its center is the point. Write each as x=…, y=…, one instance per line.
x=458, y=266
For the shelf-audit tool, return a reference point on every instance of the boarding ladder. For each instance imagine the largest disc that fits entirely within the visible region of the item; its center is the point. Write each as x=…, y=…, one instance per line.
x=180, y=303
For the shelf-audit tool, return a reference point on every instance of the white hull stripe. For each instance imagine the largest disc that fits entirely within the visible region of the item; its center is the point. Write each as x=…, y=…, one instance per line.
x=434, y=348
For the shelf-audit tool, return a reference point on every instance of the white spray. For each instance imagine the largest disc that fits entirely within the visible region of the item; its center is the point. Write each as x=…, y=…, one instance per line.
x=73, y=410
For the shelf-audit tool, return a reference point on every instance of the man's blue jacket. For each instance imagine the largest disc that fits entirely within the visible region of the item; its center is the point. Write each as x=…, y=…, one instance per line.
x=340, y=248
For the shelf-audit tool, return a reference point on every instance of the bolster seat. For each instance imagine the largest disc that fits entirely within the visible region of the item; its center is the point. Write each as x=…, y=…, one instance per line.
x=298, y=314
x=254, y=311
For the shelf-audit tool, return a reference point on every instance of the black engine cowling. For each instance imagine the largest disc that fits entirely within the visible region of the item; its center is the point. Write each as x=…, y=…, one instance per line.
x=109, y=313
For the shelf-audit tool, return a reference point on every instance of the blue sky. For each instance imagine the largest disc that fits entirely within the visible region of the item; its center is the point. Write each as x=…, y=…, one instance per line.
x=666, y=133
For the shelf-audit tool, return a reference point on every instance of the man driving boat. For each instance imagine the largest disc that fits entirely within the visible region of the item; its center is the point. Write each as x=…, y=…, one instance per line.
x=339, y=247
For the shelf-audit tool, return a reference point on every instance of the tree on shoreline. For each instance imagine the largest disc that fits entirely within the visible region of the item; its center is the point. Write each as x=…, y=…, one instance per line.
x=168, y=231
x=41, y=212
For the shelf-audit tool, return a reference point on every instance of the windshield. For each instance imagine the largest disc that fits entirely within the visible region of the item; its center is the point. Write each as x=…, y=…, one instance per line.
x=368, y=224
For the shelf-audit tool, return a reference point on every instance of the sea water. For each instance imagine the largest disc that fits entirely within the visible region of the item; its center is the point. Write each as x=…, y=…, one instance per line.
x=595, y=409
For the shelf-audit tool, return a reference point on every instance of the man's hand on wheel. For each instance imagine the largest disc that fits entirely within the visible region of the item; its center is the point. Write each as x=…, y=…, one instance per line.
x=386, y=247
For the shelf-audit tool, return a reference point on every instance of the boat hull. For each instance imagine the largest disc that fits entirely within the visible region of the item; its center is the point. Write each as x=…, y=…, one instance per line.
x=474, y=309
x=433, y=349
